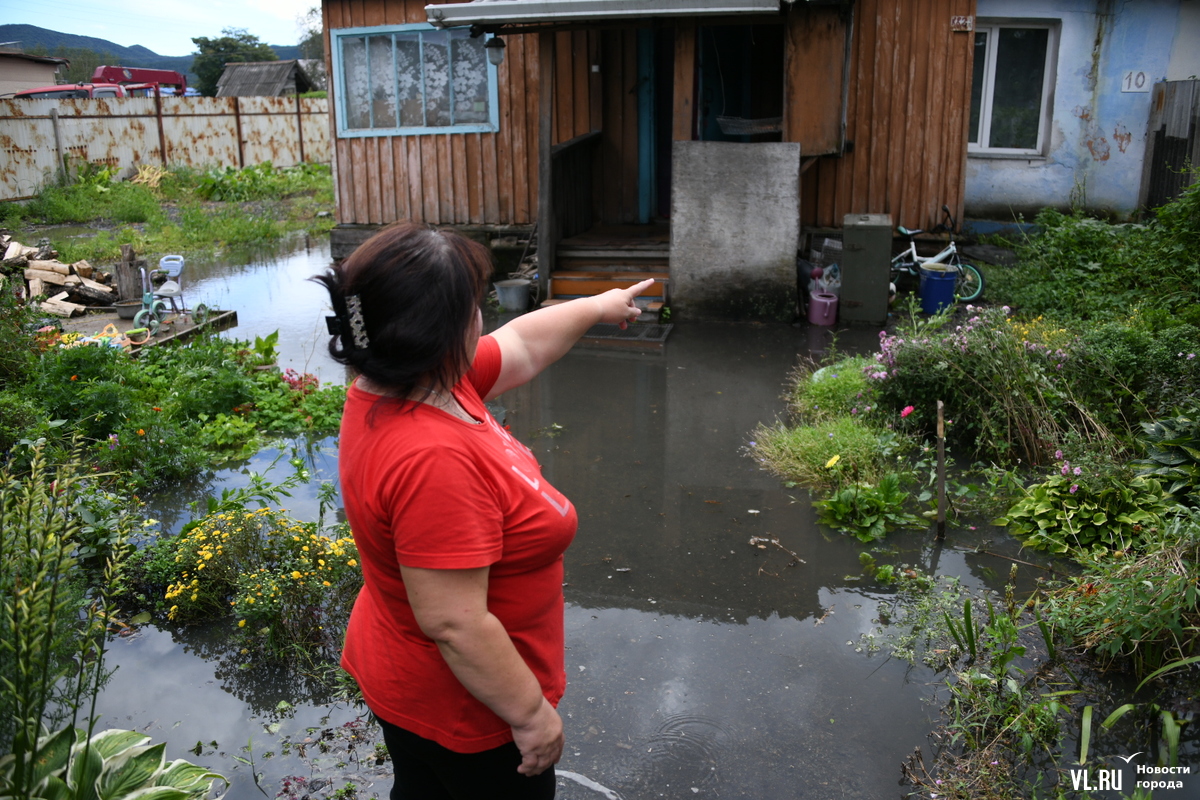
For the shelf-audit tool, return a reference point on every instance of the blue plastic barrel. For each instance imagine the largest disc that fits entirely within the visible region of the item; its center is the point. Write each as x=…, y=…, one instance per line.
x=937, y=289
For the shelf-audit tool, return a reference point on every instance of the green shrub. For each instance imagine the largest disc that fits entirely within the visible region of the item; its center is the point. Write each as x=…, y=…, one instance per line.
x=19, y=414
x=1087, y=269
x=868, y=511
x=1139, y=606
x=1004, y=394
x=286, y=582
x=1125, y=371
x=1173, y=456
x=1067, y=514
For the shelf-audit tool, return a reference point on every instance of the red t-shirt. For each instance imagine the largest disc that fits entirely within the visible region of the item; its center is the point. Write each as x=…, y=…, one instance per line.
x=425, y=489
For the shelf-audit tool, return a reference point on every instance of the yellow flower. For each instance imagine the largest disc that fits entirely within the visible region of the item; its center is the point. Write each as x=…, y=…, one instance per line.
x=241, y=623
x=352, y=563
x=326, y=583
x=829, y=464
x=296, y=574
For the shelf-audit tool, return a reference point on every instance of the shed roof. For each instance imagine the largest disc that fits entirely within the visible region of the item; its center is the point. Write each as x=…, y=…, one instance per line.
x=262, y=79
x=507, y=12
x=6, y=53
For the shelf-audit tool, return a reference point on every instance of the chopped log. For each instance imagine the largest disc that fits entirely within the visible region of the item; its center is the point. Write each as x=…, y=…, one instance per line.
x=36, y=287
x=47, y=276
x=13, y=250
x=16, y=262
x=51, y=266
x=83, y=268
x=91, y=284
x=91, y=297
x=59, y=306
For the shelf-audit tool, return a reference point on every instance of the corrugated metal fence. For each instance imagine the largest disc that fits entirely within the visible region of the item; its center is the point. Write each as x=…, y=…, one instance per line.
x=1172, y=142
x=37, y=136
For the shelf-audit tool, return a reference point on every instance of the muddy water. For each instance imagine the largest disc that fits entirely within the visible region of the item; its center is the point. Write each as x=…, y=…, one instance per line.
x=699, y=664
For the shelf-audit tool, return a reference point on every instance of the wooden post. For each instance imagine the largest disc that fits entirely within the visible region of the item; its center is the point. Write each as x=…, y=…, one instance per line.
x=162, y=136
x=128, y=281
x=547, y=227
x=237, y=125
x=300, y=128
x=61, y=172
x=941, y=470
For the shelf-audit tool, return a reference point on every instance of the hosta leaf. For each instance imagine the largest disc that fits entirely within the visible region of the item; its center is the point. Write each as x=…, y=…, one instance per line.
x=135, y=773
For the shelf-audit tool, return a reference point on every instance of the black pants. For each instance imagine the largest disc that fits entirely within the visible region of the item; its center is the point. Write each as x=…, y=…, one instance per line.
x=427, y=771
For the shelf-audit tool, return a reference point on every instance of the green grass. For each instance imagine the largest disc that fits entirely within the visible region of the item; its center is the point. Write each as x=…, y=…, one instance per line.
x=801, y=454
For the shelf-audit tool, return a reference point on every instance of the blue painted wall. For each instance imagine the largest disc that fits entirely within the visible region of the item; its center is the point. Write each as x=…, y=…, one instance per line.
x=1097, y=132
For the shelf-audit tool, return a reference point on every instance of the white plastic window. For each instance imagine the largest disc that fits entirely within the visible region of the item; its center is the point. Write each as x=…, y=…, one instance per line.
x=413, y=79
x=1011, y=87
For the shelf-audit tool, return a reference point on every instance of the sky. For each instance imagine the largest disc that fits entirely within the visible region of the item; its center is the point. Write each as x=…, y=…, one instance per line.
x=164, y=26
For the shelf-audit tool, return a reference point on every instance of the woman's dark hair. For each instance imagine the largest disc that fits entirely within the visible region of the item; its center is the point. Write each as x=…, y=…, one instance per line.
x=418, y=290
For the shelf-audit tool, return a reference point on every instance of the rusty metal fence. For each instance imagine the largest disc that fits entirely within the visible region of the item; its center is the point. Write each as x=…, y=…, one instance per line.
x=1172, y=142
x=40, y=137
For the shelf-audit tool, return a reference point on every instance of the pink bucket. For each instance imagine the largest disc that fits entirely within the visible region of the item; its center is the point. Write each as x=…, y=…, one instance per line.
x=822, y=308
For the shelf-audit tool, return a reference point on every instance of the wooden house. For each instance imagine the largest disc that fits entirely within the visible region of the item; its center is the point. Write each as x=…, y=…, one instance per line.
x=699, y=140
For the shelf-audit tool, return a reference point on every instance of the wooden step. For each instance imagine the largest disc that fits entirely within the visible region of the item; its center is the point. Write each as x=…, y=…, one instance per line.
x=579, y=283
x=610, y=263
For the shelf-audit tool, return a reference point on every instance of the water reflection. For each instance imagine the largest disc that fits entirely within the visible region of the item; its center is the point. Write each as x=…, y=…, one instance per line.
x=698, y=663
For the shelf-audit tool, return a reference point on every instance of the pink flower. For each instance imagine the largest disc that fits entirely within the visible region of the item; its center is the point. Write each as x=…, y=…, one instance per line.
x=906, y=411
x=1078, y=471
x=1074, y=488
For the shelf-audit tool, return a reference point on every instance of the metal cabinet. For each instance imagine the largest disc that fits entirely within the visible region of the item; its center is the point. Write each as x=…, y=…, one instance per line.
x=866, y=265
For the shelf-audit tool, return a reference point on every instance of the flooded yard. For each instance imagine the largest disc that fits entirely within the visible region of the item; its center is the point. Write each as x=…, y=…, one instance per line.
x=699, y=663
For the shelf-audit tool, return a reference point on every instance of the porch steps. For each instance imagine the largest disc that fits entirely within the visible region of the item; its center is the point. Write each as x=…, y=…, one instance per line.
x=616, y=257
x=569, y=284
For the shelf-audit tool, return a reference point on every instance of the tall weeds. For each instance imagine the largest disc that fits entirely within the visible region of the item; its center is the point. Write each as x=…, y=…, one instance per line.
x=51, y=626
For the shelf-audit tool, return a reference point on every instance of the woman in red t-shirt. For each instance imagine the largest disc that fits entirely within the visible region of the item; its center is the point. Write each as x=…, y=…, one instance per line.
x=456, y=638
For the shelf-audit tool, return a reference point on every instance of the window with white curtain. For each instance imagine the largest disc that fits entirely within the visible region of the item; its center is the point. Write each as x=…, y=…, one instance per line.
x=412, y=79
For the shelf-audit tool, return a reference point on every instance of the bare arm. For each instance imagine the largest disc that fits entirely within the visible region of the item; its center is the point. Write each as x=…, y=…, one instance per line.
x=451, y=608
x=534, y=341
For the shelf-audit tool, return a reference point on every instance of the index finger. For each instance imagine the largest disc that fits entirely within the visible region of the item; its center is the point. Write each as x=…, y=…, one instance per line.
x=638, y=288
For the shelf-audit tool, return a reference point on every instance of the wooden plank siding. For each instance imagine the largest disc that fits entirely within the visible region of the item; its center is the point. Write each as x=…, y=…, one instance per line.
x=899, y=108
x=470, y=178
x=906, y=122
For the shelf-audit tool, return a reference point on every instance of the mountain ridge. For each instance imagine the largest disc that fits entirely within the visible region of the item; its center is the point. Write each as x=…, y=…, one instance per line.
x=31, y=36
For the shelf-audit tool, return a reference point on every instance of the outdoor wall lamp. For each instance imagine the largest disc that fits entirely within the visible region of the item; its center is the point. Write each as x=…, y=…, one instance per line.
x=495, y=51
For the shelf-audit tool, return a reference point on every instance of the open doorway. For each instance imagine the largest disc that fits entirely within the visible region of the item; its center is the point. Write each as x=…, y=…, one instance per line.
x=740, y=83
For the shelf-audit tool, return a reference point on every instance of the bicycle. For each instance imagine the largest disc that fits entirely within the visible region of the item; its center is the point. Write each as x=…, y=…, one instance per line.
x=968, y=283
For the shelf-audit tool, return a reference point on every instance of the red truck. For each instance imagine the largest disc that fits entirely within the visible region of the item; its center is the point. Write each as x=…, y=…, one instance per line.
x=116, y=82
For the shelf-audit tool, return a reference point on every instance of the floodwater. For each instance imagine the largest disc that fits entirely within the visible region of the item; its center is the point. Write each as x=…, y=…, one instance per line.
x=699, y=664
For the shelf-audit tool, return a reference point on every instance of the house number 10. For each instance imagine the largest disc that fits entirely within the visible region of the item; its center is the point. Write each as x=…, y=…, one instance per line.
x=1135, y=81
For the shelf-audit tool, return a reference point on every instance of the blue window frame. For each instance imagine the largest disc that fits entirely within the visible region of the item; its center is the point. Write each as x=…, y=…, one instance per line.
x=402, y=80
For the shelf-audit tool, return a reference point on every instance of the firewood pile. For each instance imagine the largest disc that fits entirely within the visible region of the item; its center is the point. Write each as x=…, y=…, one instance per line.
x=67, y=289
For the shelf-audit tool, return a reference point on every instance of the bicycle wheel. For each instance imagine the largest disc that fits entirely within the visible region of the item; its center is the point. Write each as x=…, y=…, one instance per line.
x=969, y=284
x=200, y=314
x=146, y=319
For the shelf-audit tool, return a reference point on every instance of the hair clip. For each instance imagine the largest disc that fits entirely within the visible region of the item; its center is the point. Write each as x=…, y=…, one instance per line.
x=358, y=326
x=333, y=325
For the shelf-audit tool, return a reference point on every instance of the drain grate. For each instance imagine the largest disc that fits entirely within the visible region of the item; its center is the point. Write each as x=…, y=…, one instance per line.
x=643, y=334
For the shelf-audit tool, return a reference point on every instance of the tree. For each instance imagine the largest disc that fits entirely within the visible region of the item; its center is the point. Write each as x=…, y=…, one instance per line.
x=312, y=40
x=83, y=63
x=235, y=45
